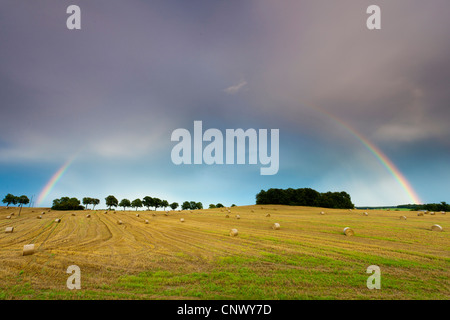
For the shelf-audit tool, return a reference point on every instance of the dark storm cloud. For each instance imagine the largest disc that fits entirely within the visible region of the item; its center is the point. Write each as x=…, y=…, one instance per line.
x=139, y=69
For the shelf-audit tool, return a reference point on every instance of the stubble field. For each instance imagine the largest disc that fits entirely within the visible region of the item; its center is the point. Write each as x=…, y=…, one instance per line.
x=309, y=257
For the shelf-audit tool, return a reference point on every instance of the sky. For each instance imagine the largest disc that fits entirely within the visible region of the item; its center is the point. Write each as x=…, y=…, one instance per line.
x=358, y=110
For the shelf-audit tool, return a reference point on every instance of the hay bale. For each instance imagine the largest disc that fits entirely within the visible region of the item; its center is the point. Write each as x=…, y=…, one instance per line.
x=233, y=232
x=227, y=216
x=9, y=229
x=43, y=212
x=238, y=216
x=12, y=213
x=105, y=212
x=268, y=215
x=28, y=249
x=88, y=216
x=322, y=213
x=365, y=213
x=443, y=212
x=154, y=214
x=137, y=215
x=8, y=217
x=436, y=227
x=181, y=220
x=348, y=231
x=276, y=226
x=419, y=214
x=432, y=213
x=146, y=221
x=402, y=218
x=119, y=222
x=73, y=214
x=39, y=217
x=57, y=220
x=166, y=214
x=253, y=210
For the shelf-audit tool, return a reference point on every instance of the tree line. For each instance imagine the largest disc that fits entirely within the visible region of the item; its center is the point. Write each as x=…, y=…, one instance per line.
x=66, y=203
x=443, y=206
x=305, y=197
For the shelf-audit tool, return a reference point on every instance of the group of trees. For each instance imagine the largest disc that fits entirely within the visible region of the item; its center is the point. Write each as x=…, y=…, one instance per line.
x=87, y=201
x=443, y=206
x=305, y=197
x=191, y=205
x=147, y=201
x=66, y=203
x=12, y=199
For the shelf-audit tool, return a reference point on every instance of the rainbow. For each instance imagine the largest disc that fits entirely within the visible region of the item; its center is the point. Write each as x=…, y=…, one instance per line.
x=379, y=155
x=53, y=180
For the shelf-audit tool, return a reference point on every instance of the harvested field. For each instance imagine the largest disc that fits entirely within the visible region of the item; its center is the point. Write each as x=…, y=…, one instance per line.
x=308, y=258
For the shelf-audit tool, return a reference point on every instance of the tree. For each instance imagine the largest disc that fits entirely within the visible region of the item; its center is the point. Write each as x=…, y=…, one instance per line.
x=212, y=206
x=174, y=205
x=111, y=201
x=219, y=205
x=233, y=205
x=157, y=203
x=136, y=203
x=9, y=199
x=87, y=201
x=164, y=204
x=125, y=203
x=148, y=202
x=95, y=202
x=199, y=205
x=21, y=201
x=186, y=205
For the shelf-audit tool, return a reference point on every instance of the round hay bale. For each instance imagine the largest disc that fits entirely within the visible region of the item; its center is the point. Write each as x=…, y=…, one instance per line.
x=238, y=216
x=233, y=232
x=154, y=214
x=268, y=215
x=9, y=229
x=39, y=217
x=365, y=213
x=322, y=213
x=166, y=214
x=28, y=249
x=443, y=212
x=12, y=213
x=57, y=220
x=262, y=208
x=146, y=221
x=253, y=210
x=436, y=227
x=8, y=217
x=419, y=214
x=137, y=215
x=348, y=231
x=119, y=222
x=88, y=216
x=276, y=226
x=181, y=220
x=402, y=218
x=106, y=212
x=227, y=216
x=426, y=212
x=43, y=212
x=432, y=213
x=73, y=214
